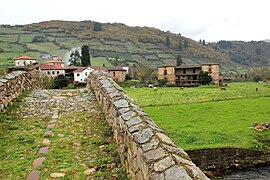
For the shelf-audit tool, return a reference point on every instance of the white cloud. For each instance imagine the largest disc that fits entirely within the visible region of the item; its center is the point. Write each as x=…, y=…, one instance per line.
x=211, y=20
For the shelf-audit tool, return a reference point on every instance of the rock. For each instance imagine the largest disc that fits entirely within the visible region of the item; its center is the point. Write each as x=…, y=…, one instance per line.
x=133, y=121
x=89, y=171
x=176, y=172
x=165, y=138
x=61, y=135
x=143, y=135
x=38, y=162
x=154, y=154
x=57, y=175
x=33, y=175
x=163, y=164
x=48, y=133
x=43, y=150
x=46, y=141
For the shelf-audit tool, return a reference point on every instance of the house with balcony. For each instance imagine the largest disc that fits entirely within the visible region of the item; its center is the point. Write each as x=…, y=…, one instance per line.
x=188, y=74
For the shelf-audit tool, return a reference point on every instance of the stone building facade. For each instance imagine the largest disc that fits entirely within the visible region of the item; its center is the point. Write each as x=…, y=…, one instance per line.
x=189, y=74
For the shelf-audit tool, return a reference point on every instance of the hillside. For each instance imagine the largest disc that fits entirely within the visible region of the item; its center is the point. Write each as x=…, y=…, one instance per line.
x=253, y=53
x=129, y=45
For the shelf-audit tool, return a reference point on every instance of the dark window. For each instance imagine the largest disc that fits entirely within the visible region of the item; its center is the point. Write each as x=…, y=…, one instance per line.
x=210, y=69
x=194, y=70
x=57, y=72
x=86, y=74
x=165, y=72
x=78, y=74
x=184, y=71
x=53, y=72
x=113, y=74
x=48, y=72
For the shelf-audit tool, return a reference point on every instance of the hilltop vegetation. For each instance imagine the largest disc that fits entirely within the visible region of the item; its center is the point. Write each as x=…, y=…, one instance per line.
x=253, y=53
x=130, y=45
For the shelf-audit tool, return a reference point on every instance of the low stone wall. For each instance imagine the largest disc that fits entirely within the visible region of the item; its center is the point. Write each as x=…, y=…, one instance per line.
x=221, y=161
x=146, y=151
x=13, y=84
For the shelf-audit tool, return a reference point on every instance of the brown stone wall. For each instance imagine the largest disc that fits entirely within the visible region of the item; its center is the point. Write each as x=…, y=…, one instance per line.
x=118, y=75
x=145, y=150
x=13, y=84
x=214, y=73
x=221, y=160
x=170, y=74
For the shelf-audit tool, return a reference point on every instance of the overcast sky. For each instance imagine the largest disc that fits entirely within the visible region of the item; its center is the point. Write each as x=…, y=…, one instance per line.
x=212, y=20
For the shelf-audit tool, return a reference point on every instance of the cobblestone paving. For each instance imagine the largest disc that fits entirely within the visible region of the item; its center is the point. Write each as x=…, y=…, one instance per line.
x=57, y=103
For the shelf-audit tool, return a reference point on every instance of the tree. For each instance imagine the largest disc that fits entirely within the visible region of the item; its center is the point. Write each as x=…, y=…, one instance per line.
x=180, y=46
x=85, y=59
x=60, y=81
x=204, y=78
x=179, y=60
x=203, y=42
x=167, y=42
x=97, y=26
x=74, y=59
x=185, y=43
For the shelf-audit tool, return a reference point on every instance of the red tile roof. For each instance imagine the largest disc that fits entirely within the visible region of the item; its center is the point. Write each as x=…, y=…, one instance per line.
x=80, y=69
x=25, y=58
x=50, y=67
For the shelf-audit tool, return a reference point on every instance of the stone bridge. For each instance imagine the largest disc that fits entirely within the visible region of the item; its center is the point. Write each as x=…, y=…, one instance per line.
x=144, y=149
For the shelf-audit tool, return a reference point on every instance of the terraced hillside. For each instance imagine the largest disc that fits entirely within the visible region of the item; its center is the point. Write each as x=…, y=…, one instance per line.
x=128, y=45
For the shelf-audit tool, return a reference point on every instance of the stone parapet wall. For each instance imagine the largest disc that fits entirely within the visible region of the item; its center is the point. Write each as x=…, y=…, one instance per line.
x=145, y=150
x=13, y=84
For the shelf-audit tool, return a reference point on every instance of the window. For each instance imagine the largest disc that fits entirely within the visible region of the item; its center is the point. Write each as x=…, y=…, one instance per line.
x=86, y=74
x=48, y=72
x=165, y=72
x=78, y=74
x=52, y=72
x=209, y=69
x=194, y=70
x=113, y=74
x=184, y=71
x=57, y=72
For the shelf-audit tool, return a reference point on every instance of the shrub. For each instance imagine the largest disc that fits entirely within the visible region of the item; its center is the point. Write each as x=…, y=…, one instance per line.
x=60, y=81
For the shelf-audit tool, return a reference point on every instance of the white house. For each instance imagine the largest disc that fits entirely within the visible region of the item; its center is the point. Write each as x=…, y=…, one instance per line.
x=24, y=61
x=81, y=73
x=52, y=68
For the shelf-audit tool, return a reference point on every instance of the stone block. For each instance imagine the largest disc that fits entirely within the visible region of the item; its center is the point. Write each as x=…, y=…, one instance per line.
x=155, y=154
x=163, y=164
x=133, y=121
x=143, y=136
x=128, y=115
x=164, y=138
x=120, y=104
x=153, y=144
x=176, y=172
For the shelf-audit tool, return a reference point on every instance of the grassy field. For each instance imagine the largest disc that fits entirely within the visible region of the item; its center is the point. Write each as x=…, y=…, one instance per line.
x=206, y=117
x=99, y=61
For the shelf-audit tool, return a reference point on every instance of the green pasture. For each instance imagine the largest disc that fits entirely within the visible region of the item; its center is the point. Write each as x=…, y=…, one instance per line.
x=206, y=117
x=99, y=61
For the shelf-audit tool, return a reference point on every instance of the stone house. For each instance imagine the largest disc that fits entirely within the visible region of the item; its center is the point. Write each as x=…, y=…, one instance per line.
x=189, y=74
x=117, y=74
x=25, y=61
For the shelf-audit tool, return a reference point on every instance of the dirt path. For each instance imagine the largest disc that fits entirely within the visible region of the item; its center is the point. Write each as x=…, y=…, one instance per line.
x=57, y=134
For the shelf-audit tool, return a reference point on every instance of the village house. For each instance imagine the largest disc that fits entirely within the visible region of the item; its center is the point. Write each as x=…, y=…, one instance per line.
x=81, y=73
x=188, y=74
x=52, y=68
x=117, y=74
x=24, y=61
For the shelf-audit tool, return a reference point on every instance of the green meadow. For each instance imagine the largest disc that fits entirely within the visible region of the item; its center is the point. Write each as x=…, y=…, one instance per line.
x=207, y=117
